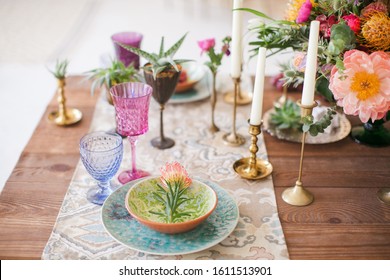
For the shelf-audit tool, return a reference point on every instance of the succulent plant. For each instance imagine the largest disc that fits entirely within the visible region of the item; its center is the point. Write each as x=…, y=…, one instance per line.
x=161, y=61
x=115, y=74
x=287, y=116
x=60, y=69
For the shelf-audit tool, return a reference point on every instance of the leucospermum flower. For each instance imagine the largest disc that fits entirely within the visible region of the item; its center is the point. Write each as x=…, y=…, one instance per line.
x=175, y=174
x=363, y=88
x=376, y=32
x=172, y=193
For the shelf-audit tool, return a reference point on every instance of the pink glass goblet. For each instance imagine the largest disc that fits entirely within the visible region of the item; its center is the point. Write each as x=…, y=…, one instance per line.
x=133, y=39
x=131, y=101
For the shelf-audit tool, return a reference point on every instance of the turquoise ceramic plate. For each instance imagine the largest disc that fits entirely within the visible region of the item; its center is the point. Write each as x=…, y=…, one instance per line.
x=128, y=231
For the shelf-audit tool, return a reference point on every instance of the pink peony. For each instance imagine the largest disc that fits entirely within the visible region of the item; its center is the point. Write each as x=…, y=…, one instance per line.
x=353, y=22
x=206, y=45
x=304, y=12
x=363, y=88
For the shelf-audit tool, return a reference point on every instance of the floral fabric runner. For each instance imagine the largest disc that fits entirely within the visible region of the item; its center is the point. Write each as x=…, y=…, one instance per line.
x=80, y=234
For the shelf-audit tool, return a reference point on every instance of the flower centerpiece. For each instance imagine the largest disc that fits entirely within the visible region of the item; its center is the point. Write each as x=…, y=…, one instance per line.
x=215, y=59
x=353, y=55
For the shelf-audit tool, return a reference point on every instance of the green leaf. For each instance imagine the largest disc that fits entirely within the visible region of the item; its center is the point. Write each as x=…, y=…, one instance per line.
x=257, y=13
x=172, y=51
x=149, y=57
x=161, y=47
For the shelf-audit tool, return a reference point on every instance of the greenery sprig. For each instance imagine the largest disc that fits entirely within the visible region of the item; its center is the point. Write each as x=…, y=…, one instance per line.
x=319, y=126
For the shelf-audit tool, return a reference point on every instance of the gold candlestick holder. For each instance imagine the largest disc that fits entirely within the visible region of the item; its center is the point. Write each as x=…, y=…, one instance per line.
x=64, y=116
x=384, y=195
x=234, y=139
x=252, y=167
x=243, y=97
x=298, y=195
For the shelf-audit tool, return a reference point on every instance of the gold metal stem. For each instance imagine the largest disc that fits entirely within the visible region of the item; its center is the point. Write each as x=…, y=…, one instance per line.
x=234, y=139
x=298, y=195
x=252, y=167
x=213, y=127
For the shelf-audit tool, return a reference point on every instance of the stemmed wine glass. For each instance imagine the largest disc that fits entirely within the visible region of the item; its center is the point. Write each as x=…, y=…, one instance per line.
x=131, y=101
x=101, y=154
x=163, y=88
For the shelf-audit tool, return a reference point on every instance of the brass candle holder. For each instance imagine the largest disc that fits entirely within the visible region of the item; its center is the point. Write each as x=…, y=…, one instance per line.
x=234, y=139
x=243, y=97
x=298, y=195
x=252, y=167
x=384, y=195
x=64, y=116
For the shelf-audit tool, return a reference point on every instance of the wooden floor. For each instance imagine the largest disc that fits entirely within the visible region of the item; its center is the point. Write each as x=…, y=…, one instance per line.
x=346, y=220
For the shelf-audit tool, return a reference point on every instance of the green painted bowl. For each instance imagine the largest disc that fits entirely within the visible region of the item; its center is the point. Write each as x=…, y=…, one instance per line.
x=140, y=203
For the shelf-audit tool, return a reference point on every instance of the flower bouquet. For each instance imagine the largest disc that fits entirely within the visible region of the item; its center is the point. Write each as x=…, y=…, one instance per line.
x=353, y=56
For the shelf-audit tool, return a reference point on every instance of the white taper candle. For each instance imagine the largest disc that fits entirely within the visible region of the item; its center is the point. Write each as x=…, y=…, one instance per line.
x=258, y=92
x=236, y=51
x=311, y=65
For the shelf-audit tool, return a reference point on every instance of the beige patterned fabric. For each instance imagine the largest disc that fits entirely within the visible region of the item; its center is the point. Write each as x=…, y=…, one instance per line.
x=79, y=233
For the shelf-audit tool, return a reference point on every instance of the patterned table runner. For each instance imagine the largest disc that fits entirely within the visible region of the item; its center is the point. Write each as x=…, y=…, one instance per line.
x=79, y=232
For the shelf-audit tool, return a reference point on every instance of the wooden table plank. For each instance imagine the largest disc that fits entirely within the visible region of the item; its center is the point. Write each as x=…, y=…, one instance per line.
x=346, y=220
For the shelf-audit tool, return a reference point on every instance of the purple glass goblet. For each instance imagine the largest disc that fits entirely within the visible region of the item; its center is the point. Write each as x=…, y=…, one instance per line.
x=131, y=102
x=127, y=38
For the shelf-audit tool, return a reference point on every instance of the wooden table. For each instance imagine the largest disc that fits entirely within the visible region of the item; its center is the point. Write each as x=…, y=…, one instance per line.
x=346, y=220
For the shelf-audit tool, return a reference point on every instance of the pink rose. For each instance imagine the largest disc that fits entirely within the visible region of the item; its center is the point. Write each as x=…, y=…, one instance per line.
x=353, y=22
x=206, y=45
x=304, y=12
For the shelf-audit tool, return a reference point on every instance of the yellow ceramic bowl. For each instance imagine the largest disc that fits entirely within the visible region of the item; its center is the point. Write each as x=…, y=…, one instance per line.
x=140, y=202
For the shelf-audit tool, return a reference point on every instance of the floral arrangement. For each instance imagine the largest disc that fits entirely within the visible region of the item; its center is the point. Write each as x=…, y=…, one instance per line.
x=172, y=193
x=208, y=46
x=353, y=52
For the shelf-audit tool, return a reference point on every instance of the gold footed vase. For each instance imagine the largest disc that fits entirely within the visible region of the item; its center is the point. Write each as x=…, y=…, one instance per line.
x=64, y=116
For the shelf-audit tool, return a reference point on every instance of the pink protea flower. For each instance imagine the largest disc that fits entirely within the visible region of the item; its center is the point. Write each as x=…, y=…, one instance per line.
x=353, y=22
x=206, y=45
x=363, y=88
x=304, y=12
x=175, y=174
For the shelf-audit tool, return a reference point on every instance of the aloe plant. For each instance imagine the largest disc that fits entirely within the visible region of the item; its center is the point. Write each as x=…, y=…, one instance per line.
x=115, y=74
x=161, y=61
x=60, y=69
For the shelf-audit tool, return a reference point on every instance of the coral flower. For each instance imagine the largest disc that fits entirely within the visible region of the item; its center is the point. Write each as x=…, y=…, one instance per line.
x=304, y=12
x=175, y=174
x=206, y=45
x=363, y=88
